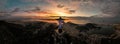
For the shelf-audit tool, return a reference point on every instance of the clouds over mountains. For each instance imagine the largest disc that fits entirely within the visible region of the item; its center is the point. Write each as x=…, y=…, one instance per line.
x=109, y=9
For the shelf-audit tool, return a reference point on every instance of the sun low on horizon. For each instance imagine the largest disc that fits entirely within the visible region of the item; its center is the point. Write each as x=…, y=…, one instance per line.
x=44, y=8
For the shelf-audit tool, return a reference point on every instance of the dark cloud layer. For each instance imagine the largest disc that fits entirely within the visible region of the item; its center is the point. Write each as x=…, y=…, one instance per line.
x=60, y=6
x=36, y=9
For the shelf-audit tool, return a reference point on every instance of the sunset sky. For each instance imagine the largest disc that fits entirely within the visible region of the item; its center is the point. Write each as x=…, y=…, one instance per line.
x=82, y=8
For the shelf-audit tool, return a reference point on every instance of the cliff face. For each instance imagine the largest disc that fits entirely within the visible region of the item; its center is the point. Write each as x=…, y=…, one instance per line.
x=44, y=33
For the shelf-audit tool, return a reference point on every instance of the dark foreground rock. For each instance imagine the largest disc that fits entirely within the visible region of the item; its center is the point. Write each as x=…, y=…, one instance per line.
x=44, y=33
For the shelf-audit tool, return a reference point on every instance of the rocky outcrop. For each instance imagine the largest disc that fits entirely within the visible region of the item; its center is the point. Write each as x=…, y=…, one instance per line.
x=44, y=33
